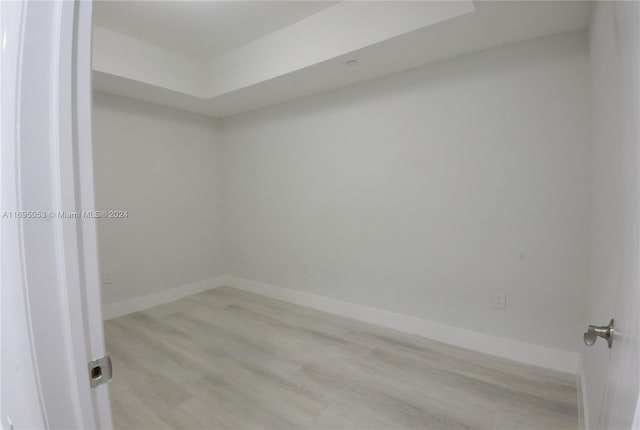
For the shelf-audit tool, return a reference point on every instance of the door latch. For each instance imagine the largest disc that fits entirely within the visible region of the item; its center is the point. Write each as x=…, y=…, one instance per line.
x=100, y=371
x=594, y=331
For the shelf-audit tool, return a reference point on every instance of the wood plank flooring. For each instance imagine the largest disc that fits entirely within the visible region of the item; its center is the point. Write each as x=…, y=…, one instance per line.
x=227, y=359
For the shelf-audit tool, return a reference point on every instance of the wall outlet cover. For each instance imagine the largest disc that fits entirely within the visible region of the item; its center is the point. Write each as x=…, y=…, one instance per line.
x=500, y=300
x=107, y=278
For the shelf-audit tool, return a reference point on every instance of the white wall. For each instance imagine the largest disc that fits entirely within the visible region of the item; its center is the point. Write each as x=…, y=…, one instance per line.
x=424, y=192
x=613, y=270
x=163, y=166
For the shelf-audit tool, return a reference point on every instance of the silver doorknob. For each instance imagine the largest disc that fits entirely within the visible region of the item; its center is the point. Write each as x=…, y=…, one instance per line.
x=594, y=331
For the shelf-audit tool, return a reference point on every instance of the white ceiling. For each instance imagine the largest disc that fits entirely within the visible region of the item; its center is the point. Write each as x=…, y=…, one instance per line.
x=308, y=56
x=201, y=29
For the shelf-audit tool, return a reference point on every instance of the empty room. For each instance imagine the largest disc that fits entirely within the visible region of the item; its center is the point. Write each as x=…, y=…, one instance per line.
x=321, y=214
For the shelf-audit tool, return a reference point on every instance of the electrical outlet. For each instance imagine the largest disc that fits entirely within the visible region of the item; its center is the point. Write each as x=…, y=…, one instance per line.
x=107, y=278
x=500, y=300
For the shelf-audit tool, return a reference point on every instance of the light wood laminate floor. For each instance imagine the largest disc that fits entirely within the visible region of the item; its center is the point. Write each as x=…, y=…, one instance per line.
x=228, y=359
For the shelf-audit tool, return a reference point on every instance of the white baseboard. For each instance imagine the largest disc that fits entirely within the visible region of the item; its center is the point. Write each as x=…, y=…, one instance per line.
x=563, y=361
x=125, y=307
x=583, y=405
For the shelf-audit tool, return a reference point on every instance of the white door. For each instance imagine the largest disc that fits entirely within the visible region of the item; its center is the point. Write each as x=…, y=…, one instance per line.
x=612, y=376
x=50, y=262
x=620, y=403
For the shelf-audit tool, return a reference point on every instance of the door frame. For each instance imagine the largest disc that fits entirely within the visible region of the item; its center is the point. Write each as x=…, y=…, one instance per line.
x=48, y=169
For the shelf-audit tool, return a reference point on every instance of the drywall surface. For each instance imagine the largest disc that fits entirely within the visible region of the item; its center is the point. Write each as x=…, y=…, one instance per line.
x=426, y=192
x=124, y=56
x=613, y=270
x=331, y=33
x=163, y=167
